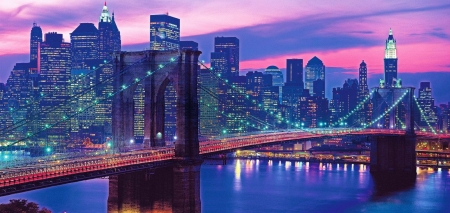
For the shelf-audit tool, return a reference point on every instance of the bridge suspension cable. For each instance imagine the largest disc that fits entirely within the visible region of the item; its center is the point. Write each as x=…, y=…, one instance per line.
x=424, y=117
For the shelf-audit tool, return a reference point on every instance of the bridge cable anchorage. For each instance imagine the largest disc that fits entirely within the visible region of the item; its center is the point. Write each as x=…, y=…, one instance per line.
x=67, y=103
x=94, y=103
x=42, y=96
x=423, y=115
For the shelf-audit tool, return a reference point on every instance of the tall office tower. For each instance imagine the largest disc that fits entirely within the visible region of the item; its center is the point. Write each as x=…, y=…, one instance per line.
x=80, y=83
x=164, y=32
x=255, y=85
x=55, y=65
x=209, y=104
x=84, y=43
x=364, y=114
x=236, y=114
x=220, y=68
x=109, y=35
x=294, y=72
x=35, y=39
x=229, y=46
x=312, y=111
x=319, y=88
x=293, y=88
x=18, y=96
x=277, y=79
x=426, y=103
x=344, y=101
x=390, y=61
x=188, y=45
x=314, y=70
x=103, y=110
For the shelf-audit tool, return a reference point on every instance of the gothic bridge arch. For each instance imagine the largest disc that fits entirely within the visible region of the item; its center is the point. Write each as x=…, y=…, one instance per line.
x=177, y=67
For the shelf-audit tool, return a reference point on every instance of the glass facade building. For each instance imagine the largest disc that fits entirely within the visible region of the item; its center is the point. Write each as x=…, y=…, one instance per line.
x=314, y=70
x=164, y=32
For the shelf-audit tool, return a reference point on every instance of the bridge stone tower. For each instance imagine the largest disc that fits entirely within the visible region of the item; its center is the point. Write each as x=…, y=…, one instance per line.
x=158, y=69
x=394, y=154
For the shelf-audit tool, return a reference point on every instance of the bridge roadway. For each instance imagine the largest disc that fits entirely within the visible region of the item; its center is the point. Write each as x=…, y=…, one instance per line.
x=41, y=174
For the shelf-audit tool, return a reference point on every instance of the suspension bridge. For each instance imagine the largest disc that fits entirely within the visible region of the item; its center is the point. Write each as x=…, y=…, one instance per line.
x=58, y=164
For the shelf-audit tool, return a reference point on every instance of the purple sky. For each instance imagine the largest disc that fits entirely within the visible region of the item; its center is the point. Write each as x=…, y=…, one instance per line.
x=341, y=33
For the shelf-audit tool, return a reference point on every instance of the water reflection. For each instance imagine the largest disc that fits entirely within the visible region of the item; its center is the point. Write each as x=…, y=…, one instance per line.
x=170, y=189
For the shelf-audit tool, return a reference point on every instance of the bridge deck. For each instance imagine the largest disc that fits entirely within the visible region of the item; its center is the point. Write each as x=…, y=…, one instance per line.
x=65, y=167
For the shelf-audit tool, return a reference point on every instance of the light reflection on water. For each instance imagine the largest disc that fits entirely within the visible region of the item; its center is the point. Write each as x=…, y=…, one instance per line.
x=276, y=186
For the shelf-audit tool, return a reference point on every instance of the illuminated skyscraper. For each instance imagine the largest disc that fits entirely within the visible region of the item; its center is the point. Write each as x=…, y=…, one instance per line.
x=314, y=70
x=229, y=46
x=84, y=44
x=277, y=79
x=55, y=66
x=426, y=103
x=109, y=35
x=164, y=32
x=35, y=39
x=390, y=61
x=365, y=113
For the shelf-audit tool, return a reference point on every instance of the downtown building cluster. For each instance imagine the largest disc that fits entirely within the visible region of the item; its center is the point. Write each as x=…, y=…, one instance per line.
x=40, y=97
x=60, y=77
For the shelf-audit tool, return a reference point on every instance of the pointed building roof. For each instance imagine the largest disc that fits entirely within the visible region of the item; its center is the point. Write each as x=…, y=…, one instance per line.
x=315, y=61
x=362, y=63
x=85, y=28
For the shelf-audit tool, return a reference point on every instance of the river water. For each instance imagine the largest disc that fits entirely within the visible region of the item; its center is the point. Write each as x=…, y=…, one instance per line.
x=275, y=186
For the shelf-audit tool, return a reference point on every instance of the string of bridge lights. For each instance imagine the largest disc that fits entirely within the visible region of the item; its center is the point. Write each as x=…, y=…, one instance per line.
x=36, y=115
x=276, y=115
x=94, y=103
x=423, y=115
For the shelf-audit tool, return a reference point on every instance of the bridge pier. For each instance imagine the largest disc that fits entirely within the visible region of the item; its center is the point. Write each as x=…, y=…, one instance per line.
x=170, y=189
x=393, y=155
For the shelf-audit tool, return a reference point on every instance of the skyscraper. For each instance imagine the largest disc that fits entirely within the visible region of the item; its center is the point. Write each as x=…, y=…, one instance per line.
x=390, y=61
x=35, y=39
x=426, y=103
x=109, y=35
x=294, y=72
x=229, y=46
x=365, y=113
x=314, y=70
x=164, y=32
x=277, y=79
x=55, y=66
x=209, y=114
x=319, y=88
x=84, y=43
x=344, y=101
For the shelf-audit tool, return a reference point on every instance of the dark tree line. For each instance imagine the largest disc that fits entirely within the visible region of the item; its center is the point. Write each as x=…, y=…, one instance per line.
x=22, y=206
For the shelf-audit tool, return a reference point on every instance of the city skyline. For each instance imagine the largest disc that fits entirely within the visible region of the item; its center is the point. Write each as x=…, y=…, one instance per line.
x=341, y=58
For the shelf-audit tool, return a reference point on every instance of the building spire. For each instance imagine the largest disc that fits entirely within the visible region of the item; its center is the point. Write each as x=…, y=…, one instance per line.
x=390, y=31
x=105, y=3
